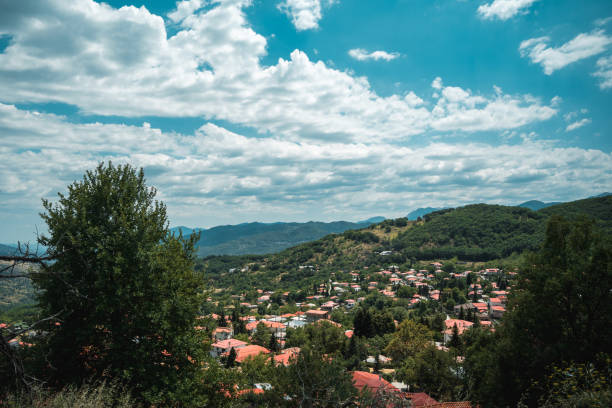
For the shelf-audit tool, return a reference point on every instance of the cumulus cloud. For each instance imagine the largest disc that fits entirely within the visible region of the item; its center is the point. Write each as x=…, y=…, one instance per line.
x=268, y=178
x=604, y=72
x=304, y=14
x=583, y=46
x=121, y=62
x=504, y=9
x=363, y=55
x=577, y=124
x=458, y=108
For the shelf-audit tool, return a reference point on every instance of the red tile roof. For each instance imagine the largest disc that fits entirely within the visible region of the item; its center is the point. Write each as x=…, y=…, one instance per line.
x=250, y=351
x=420, y=399
x=373, y=382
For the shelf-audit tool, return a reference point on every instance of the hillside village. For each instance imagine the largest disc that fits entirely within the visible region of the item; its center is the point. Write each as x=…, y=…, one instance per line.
x=484, y=305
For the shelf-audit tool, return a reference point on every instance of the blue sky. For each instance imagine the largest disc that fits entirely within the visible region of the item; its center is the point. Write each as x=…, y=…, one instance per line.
x=296, y=110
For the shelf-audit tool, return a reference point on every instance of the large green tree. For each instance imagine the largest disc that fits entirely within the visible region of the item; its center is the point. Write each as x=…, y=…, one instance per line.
x=560, y=310
x=126, y=289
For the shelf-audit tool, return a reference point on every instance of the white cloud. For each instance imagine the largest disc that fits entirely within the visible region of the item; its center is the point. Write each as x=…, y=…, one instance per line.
x=503, y=9
x=213, y=173
x=437, y=83
x=583, y=46
x=458, y=108
x=604, y=72
x=304, y=14
x=577, y=124
x=121, y=62
x=184, y=9
x=363, y=55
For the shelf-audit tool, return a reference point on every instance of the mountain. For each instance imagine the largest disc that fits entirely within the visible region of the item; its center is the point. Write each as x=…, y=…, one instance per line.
x=372, y=220
x=263, y=238
x=602, y=195
x=536, y=205
x=476, y=233
x=420, y=212
x=7, y=250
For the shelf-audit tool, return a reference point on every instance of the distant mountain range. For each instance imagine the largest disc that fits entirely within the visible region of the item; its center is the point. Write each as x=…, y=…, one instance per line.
x=7, y=250
x=264, y=238
x=420, y=212
x=536, y=205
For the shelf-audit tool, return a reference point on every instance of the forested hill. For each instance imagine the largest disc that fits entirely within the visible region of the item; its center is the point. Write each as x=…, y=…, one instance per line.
x=483, y=232
x=478, y=232
x=261, y=238
x=598, y=208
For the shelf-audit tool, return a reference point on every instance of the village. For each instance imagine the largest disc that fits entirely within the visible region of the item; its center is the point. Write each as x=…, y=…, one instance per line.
x=484, y=306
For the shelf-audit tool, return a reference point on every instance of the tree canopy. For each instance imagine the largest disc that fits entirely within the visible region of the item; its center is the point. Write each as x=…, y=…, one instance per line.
x=125, y=288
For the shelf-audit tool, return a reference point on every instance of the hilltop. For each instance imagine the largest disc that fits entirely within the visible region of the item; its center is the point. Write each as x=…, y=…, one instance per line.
x=474, y=233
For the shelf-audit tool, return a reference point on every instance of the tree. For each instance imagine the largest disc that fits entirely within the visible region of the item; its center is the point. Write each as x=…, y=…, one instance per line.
x=363, y=323
x=124, y=287
x=455, y=341
x=409, y=339
x=560, y=310
x=314, y=380
x=262, y=335
x=231, y=358
x=434, y=372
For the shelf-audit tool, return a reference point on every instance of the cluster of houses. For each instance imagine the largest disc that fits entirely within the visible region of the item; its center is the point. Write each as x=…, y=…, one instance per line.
x=333, y=295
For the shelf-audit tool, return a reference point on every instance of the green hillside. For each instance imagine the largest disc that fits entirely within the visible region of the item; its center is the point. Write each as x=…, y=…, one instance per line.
x=476, y=233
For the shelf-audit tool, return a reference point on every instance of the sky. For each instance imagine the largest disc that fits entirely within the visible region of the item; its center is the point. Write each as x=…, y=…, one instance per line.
x=298, y=110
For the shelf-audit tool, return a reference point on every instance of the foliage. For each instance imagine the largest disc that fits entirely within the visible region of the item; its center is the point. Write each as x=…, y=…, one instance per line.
x=561, y=310
x=125, y=289
x=315, y=380
x=409, y=339
x=435, y=372
x=101, y=395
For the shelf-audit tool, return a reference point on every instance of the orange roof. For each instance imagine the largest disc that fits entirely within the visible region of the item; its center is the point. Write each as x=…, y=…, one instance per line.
x=317, y=312
x=287, y=356
x=373, y=382
x=274, y=325
x=228, y=344
x=250, y=351
x=462, y=325
x=420, y=399
x=251, y=391
x=222, y=329
x=349, y=333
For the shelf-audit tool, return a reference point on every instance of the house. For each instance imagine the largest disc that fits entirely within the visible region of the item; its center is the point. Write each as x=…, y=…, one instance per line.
x=223, y=333
x=497, y=312
x=462, y=326
x=329, y=306
x=250, y=351
x=298, y=321
x=279, y=330
x=314, y=315
x=373, y=382
x=287, y=356
x=420, y=399
x=224, y=346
